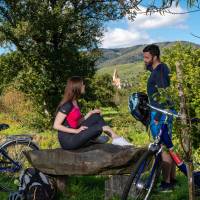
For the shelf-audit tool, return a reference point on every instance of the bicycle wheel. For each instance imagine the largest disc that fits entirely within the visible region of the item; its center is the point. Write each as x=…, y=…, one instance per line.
x=142, y=179
x=9, y=178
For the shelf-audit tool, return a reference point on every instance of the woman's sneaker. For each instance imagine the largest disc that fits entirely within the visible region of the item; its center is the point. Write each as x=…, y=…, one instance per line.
x=121, y=142
x=102, y=139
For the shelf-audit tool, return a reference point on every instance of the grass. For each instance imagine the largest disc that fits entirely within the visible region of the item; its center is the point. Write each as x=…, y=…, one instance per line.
x=92, y=187
x=86, y=187
x=180, y=192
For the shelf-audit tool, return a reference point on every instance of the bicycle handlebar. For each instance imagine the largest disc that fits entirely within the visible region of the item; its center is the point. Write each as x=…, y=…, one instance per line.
x=167, y=112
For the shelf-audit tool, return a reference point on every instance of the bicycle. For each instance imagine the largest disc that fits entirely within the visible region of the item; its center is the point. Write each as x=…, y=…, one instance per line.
x=147, y=170
x=12, y=159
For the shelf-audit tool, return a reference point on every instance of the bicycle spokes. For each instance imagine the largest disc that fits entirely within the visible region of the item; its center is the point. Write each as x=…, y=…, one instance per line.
x=143, y=179
x=7, y=164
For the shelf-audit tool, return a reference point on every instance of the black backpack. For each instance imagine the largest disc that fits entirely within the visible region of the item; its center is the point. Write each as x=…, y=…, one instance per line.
x=138, y=107
x=34, y=185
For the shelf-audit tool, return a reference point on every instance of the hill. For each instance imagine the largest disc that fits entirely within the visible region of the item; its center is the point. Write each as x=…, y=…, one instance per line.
x=129, y=55
x=128, y=73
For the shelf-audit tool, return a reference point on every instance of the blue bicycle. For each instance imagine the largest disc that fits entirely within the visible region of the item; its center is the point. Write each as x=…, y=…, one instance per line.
x=147, y=170
x=12, y=159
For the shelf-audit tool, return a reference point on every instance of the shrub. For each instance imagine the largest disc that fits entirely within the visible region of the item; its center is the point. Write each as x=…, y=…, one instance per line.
x=20, y=108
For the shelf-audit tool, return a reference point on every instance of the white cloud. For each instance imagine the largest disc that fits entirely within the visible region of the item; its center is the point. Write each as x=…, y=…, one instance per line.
x=117, y=37
x=138, y=31
x=157, y=20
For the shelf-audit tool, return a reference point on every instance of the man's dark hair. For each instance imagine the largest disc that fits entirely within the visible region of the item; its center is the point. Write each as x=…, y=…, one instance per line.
x=153, y=49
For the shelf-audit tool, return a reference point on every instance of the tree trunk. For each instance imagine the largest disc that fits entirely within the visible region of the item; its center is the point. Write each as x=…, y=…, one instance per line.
x=185, y=129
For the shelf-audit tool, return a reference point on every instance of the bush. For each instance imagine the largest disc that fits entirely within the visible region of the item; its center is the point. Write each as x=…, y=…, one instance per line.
x=21, y=108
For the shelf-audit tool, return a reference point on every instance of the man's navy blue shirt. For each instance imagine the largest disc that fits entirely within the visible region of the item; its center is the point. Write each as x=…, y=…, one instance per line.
x=159, y=78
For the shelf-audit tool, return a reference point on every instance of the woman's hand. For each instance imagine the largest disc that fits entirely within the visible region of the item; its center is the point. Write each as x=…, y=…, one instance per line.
x=82, y=128
x=94, y=111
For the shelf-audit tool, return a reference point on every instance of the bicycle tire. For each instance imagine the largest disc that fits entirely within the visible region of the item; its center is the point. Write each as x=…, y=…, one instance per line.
x=137, y=185
x=9, y=181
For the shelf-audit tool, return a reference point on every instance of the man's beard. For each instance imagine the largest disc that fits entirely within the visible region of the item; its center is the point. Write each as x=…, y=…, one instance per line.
x=148, y=66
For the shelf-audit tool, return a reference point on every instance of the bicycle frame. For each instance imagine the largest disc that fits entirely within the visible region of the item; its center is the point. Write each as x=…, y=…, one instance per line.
x=15, y=166
x=179, y=162
x=144, y=176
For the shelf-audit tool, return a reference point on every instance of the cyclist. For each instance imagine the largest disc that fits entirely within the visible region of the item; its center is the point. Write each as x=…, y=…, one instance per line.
x=159, y=78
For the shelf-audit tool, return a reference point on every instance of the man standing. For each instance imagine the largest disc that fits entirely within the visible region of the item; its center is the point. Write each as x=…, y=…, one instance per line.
x=159, y=78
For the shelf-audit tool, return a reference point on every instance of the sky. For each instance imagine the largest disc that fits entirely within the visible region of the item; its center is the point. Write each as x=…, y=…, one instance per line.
x=152, y=29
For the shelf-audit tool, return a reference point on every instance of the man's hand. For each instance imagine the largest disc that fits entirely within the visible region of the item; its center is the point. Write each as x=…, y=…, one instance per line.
x=156, y=122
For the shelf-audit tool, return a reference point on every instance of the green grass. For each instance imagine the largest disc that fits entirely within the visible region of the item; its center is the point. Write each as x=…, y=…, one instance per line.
x=86, y=187
x=92, y=187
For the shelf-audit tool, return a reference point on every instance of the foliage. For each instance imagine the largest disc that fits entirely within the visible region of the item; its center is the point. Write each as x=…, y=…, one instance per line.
x=11, y=65
x=54, y=40
x=20, y=108
x=189, y=58
x=99, y=92
x=190, y=62
x=164, y=6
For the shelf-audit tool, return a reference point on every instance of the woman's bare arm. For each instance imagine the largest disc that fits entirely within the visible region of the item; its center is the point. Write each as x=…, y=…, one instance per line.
x=60, y=117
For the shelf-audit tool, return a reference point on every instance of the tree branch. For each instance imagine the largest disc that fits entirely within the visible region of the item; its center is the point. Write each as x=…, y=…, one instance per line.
x=197, y=36
x=6, y=15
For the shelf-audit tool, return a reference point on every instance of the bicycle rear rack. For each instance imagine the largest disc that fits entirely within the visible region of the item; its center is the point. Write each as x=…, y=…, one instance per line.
x=20, y=137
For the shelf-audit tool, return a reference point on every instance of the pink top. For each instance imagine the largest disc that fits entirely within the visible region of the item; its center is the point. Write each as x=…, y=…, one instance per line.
x=73, y=117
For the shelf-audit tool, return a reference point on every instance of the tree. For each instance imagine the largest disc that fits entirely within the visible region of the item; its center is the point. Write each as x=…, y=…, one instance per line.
x=55, y=39
x=189, y=57
x=165, y=5
x=185, y=66
x=184, y=92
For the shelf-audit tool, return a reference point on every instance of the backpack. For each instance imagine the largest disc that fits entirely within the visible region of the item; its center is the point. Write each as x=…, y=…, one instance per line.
x=138, y=107
x=34, y=185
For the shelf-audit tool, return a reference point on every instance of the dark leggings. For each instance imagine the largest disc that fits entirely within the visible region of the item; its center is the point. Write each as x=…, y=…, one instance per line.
x=74, y=141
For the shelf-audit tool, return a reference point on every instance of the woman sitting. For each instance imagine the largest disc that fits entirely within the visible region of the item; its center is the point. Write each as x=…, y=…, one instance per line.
x=74, y=129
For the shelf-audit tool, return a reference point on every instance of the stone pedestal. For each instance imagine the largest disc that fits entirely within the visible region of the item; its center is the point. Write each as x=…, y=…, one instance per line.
x=114, y=186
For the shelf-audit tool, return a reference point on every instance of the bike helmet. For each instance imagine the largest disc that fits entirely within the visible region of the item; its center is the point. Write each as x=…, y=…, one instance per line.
x=138, y=107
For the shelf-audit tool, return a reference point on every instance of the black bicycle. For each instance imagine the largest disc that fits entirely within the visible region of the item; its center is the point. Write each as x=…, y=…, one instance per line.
x=12, y=159
x=147, y=170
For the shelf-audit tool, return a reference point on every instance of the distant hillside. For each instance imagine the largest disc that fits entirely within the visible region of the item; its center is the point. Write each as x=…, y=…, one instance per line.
x=127, y=61
x=128, y=73
x=128, y=55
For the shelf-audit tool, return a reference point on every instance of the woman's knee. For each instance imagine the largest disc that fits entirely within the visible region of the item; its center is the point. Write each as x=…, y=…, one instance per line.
x=96, y=116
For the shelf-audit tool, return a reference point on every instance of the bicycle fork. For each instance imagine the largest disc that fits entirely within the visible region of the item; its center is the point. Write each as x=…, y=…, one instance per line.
x=180, y=164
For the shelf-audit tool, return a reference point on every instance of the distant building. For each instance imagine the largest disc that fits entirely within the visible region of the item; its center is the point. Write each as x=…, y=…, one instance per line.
x=116, y=80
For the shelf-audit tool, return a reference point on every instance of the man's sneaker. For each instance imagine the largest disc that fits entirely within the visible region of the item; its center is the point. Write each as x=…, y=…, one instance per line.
x=174, y=182
x=165, y=187
x=121, y=141
x=100, y=140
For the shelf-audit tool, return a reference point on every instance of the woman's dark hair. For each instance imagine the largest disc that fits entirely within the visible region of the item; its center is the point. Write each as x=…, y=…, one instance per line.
x=72, y=89
x=153, y=49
